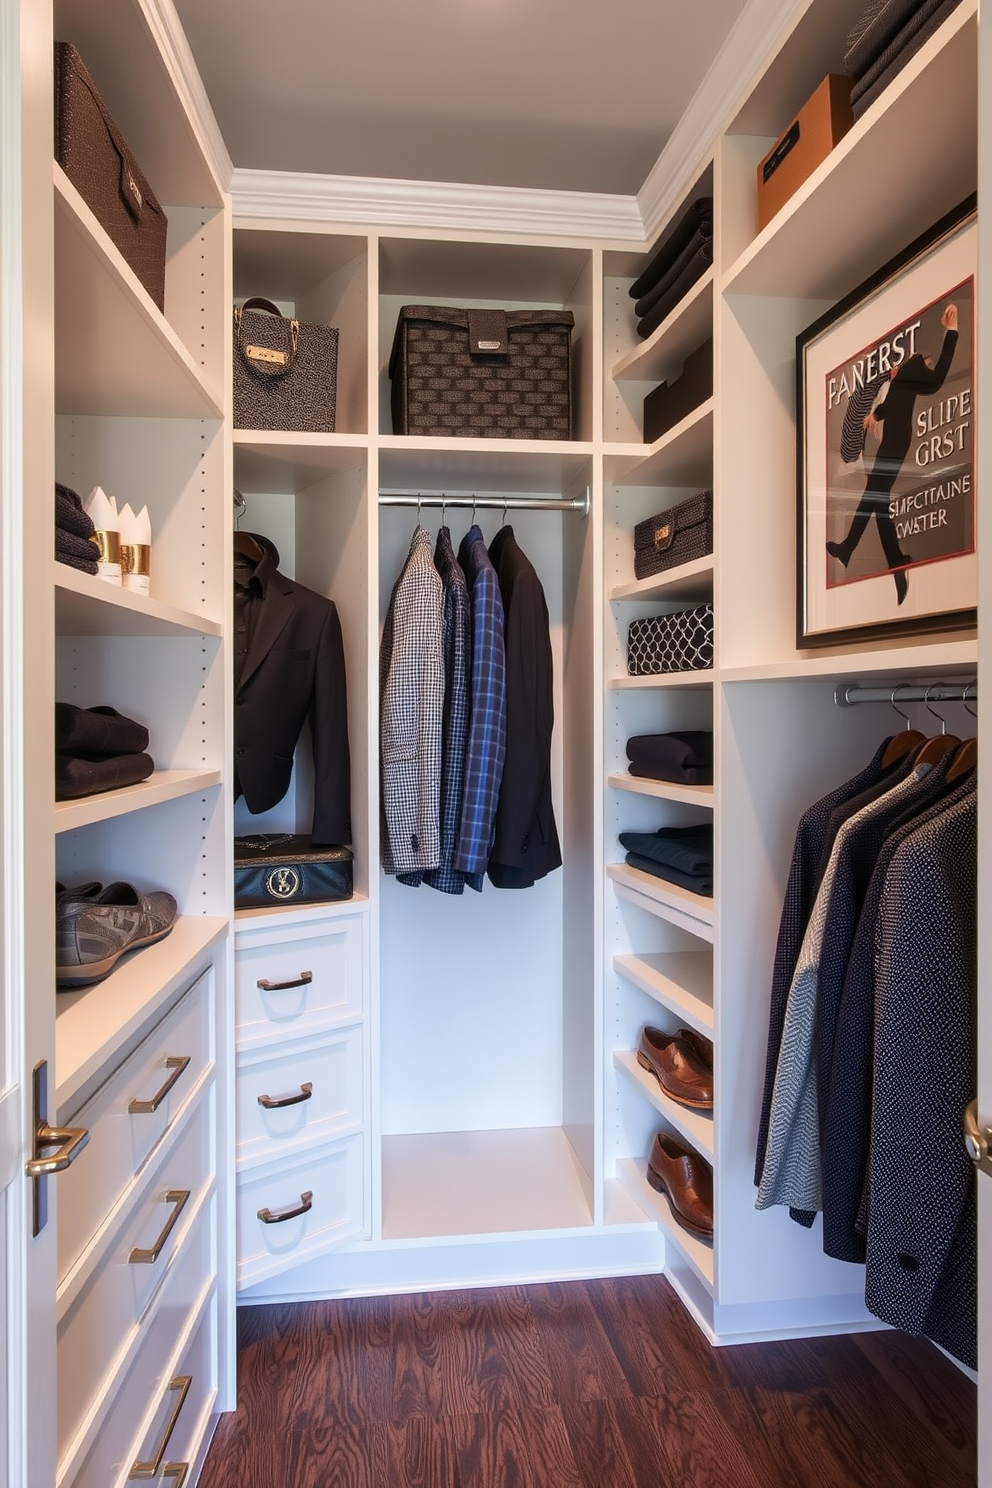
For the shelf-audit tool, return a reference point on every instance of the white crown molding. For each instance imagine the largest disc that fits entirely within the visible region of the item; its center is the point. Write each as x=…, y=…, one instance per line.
x=166, y=27
x=756, y=29
x=435, y=205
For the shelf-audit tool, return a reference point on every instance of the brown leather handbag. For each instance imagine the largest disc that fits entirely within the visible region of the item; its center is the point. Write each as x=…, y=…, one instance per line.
x=285, y=371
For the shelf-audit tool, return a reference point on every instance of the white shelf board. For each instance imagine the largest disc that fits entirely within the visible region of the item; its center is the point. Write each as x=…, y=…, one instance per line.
x=695, y=1126
x=681, y=981
x=163, y=785
x=95, y=1023
x=693, y=912
x=86, y=606
x=276, y=462
x=664, y=790
x=692, y=680
x=621, y=1211
x=302, y=914
x=917, y=658
x=115, y=352
x=698, y=1253
x=683, y=456
x=909, y=159
x=513, y=466
x=480, y=1183
x=692, y=580
x=685, y=329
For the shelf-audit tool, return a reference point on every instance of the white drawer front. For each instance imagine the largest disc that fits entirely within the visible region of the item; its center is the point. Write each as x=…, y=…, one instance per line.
x=125, y=1433
x=332, y=1176
x=299, y=981
x=323, y=1081
x=122, y=1137
x=186, y=1436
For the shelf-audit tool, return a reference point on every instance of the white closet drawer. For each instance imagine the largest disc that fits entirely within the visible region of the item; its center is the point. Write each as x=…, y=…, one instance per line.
x=144, y=1250
x=116, y=1431
x=322, y=1197
x=294, y=1100
x=123, y=1130
x=301, y=980
x=183, y=1407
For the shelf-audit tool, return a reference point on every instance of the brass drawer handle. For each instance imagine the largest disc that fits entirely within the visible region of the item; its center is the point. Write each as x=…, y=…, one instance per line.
x=179, y=1385
x=177, y=1470
x=70, y=1141
x=279, y=1102
x=175, y=1063
x=303, y=980
x=179, y=1198
x=305, y=1205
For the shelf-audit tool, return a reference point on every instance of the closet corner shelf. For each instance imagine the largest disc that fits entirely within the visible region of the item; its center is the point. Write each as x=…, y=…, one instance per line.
x=698, y=1253
x=93, y=1024
x=681, y=981
x=276, y=460
x=163, y=785
x=691, y=680
x=695, y=1126
x=621, y=1210
x=664, y=790
x=683, y=456
x=87, y=606
x=918, y=657
x=115, y=351
x=693, y=912
x=686, y=328
x=303, y=914
x=693, y=580
x=910, y=158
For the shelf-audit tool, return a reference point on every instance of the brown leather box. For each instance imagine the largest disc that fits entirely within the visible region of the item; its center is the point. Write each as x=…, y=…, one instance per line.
x=94, y=155
x=822, y=122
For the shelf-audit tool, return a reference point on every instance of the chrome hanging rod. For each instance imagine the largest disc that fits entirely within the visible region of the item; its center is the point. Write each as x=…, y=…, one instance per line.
x=848, y=696
x=483, y=503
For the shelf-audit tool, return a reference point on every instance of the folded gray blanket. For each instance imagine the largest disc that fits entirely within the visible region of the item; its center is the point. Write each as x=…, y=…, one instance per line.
x=696, y=883
x=649, y=300
x=697, y=217
x=695, y=269
x=688, y=849
x=874, y=31
x=930, y=18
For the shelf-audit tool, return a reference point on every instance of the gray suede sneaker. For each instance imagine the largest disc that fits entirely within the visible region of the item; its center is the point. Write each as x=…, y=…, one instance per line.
x=94, y=932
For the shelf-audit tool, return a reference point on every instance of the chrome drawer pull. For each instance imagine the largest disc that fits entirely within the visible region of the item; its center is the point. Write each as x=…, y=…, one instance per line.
x=303, y=980
x=305, y=1205
x=70, y=1141
x=175, y=1063
x=279, y=1102
x=178, y=1385
x=179, y=1197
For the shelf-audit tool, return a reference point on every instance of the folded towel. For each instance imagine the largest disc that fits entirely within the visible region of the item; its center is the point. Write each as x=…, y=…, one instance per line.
x=98, y=731
x=697, y=217
x=686, y=758
x=88, y=774
x=647, y=302
x=909, y=41
x=873, y=32
x=696, y=883
x=694, y=270
x=688, y=849
x=69, y=513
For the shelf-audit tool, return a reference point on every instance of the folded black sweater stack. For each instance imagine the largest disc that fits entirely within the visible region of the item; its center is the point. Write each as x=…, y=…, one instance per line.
x=682, y=258
x=73, y=532
x=680, y=855
x=97, y=749
x=886, y=36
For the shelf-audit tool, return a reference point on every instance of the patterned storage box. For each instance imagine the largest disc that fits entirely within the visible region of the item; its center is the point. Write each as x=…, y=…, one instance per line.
x=682, y=642
x=490, y=374
x=675, y=536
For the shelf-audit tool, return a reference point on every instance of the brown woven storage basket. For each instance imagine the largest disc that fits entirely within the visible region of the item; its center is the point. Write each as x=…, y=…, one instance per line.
x=675, y=536
x=490, y=374
x=94, y=155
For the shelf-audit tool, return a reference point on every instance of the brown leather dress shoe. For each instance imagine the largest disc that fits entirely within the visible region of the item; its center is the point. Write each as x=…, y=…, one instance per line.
x=686, y=1180
x=678, y=1063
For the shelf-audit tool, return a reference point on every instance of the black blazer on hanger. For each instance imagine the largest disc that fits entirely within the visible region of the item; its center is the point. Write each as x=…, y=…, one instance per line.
x=526, y=844
x=294, y=670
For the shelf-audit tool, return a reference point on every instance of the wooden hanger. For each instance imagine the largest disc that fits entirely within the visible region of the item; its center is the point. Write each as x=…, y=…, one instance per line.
x=900, y=745
x=246, y=545
x=963, y=762
x=934, y=749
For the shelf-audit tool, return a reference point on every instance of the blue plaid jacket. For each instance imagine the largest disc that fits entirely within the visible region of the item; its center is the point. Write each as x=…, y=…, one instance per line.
x=487, y=726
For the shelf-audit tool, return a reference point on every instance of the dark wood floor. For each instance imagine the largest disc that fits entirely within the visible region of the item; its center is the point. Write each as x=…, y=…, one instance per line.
x=604, y=1384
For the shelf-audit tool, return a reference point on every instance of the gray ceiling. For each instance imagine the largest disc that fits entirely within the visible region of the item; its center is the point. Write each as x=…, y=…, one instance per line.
x=574, y=95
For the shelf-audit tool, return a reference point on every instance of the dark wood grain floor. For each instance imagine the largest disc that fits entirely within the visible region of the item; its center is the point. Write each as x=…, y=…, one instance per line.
x=602, y=1384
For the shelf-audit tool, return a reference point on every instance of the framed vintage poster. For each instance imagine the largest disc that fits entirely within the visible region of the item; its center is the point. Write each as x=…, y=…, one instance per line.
x=886, y=449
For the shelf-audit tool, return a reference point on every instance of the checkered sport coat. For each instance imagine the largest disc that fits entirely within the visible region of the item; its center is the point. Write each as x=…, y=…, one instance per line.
x=411, y=676
x=487, y=729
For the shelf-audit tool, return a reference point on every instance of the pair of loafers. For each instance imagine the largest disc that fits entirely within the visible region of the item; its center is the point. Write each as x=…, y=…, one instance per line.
x=682, y=1063
x=96, y=926
x=686, y=1180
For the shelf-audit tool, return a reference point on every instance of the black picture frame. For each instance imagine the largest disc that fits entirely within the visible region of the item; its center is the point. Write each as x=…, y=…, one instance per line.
x=886, y=490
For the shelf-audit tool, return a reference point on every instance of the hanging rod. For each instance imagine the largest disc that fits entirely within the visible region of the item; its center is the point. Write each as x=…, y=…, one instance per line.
x=496, y=503
x=849, y=696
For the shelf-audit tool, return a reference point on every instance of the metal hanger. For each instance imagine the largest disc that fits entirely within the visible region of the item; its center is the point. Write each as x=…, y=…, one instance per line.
x=903, y=743
x=934, y=749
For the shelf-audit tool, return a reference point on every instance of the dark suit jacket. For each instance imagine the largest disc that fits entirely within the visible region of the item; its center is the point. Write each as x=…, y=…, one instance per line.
x=295, y=670
x=526, y=846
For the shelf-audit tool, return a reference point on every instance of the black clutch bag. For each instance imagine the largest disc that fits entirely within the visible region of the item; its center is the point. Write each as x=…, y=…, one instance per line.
x=276, y=868
x=681, y=642
x=675, y=536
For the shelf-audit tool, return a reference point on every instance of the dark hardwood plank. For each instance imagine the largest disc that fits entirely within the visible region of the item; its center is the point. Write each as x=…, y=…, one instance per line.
x=420, y=1454
x=337, y=1453
x=599, y=1441
x=516, y=1448
x=657, y=1344
x=687, y=1439
x=581, y=1363
x=934, y=1390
